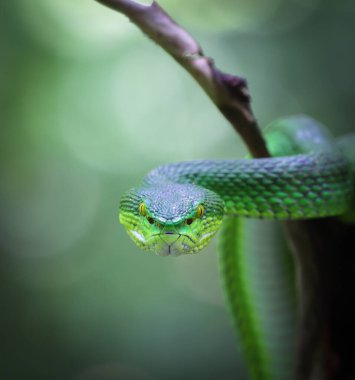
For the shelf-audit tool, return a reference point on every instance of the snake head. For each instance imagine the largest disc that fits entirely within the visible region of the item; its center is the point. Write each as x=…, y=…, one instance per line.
x=171, y=219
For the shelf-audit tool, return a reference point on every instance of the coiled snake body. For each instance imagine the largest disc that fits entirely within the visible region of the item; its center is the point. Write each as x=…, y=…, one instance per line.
x=179, y=207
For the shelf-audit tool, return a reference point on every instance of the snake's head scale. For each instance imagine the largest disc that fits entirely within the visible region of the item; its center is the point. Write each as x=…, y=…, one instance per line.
x=171, y=219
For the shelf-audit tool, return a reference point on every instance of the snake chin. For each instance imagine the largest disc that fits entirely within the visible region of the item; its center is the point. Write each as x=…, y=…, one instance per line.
x=170, y=244
x=174, y=245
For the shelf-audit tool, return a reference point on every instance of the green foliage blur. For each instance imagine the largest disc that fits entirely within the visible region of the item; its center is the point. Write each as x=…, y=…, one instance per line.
x=87, y=106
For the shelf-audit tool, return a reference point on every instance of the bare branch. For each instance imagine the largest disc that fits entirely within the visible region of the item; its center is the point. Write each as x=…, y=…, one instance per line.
x=228, y=92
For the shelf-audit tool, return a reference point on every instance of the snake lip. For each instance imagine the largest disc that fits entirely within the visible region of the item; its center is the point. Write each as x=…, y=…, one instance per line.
x=174, y=233
x=189, y=237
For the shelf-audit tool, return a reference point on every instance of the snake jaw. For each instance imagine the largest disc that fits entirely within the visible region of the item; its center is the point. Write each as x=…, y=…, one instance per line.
x=170, y=243
x=174, y=244
x=138, y=236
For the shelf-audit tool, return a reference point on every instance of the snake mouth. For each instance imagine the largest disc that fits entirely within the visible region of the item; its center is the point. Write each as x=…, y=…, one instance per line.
x=165, y=243
x=174, y=243
x=171, y=235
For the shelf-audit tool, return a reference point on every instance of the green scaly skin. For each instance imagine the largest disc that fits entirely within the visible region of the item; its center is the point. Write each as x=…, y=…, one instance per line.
x=258, y=279
x=307, y=177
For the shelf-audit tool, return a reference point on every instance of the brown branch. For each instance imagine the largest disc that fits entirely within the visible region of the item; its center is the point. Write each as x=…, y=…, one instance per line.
x=231, y=96
x=228, y=92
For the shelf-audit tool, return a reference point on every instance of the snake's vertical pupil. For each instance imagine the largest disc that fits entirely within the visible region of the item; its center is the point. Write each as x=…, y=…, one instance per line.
x=200, y=211
x=142, y=209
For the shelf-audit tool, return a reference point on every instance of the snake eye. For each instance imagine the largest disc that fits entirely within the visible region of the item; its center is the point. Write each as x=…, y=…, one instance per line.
x=142, y=209
x=189, y=221
x=150, y=220
x=200, y=211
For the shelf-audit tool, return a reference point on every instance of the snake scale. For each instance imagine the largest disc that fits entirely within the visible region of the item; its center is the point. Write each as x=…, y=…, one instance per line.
x=179, y=207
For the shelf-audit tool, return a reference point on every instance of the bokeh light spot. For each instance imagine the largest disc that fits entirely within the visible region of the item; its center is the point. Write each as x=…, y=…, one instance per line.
x=77, y=28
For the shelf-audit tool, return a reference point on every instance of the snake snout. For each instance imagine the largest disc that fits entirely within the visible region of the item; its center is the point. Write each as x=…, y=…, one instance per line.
x=170, y=237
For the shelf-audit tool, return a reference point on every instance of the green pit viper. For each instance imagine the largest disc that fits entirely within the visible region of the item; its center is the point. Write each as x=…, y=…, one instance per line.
x=179, y=207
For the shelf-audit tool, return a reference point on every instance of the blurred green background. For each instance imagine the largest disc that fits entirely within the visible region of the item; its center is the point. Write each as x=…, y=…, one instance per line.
x=87, y=107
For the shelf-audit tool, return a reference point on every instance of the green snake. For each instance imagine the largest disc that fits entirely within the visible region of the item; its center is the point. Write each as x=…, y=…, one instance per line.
x=179, y=207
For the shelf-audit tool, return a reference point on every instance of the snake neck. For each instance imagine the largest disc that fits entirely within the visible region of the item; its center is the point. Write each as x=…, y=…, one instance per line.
x=307, y=177
x=294, y=187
